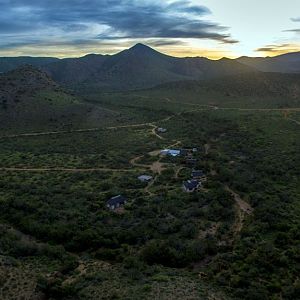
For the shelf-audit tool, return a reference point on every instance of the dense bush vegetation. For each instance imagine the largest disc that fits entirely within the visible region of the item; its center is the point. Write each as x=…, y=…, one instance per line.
x=166, y=232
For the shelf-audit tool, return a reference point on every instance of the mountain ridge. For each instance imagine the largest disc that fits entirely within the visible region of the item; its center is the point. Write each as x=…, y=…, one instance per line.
x=284, y=63
x=10, y=63
x=141, y=67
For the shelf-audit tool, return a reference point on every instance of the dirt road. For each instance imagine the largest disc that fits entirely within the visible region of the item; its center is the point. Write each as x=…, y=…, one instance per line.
x=42, y=133
x=243, y=205
x=74, y=170
x=293, y=120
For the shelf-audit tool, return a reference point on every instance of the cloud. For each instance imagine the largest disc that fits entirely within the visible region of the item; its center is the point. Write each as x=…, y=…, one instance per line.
x=295, y=19
x=297, y=30
x=38, y=22
x=162, y=43
x=278, y=49
x=186, y=7
x=75, y=27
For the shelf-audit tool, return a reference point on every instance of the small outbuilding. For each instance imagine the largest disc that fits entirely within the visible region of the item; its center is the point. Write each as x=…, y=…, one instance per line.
x=145, y=178
x=171, y=152
x=191, y=186
x=161, y=130
x=116, y=202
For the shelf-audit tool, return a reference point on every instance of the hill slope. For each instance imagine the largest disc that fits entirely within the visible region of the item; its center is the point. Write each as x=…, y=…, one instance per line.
x=31, y=100
x=74, y=70
x=255, y=84
x=253, y=90
x=286, y=63
x=23, y=82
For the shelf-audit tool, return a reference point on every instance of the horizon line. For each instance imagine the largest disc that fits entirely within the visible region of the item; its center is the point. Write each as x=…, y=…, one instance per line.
x=146, y=46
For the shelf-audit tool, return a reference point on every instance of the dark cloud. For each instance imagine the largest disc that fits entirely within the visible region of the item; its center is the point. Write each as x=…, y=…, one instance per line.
x=75, y=27
x=295, y=19
x=272, y=47
x=266, y=49
x=278, y=48
x=114, y=19
x=293, y=30
x=161, y=43
x=184, y=6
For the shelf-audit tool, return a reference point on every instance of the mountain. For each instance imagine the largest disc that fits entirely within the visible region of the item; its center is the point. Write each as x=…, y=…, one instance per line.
x=286, y=63
x=70, y=71
x=11, y=63
x=30, y=100
x=136, y=68
x=142, y=66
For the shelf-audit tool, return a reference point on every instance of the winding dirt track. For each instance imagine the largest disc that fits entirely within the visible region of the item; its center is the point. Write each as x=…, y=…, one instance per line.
x=156, y=167
x=295, y=121
x=152, y=124
x=243, y=208
x=178, y=170
x=243, y=205
x=75, y=170
x=74, y=130
x=154, y=132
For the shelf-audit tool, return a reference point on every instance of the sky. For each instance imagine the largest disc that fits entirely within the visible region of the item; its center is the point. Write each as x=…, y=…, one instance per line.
x=211, y=28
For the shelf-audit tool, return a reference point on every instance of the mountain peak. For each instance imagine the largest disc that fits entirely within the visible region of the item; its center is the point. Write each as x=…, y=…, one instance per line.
x=141, y=48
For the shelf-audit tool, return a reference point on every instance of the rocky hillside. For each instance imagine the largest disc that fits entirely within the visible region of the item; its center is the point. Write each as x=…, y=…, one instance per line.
x=30, y=100
x=23, y=82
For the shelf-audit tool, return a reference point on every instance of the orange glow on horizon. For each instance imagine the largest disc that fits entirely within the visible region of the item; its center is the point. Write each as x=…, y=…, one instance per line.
x=275, y=50
x=69, y=51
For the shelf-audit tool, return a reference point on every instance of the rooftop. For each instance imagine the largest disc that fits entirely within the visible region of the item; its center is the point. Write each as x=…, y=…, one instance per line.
x=191, y=184
x=172, y=152
x=116, y=200
x=145, y=177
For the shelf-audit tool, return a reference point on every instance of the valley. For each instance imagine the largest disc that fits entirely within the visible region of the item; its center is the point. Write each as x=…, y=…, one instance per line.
x=55, y=184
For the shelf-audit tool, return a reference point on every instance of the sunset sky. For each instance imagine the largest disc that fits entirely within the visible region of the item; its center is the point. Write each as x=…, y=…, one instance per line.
x=212, y=28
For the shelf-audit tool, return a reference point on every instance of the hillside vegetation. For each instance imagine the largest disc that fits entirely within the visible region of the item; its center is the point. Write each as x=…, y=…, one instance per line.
x=250, y=84
x=256, y=90
x=31, y=101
